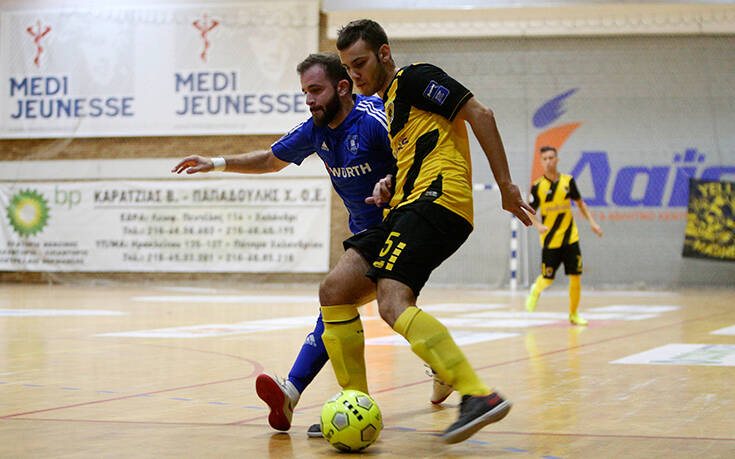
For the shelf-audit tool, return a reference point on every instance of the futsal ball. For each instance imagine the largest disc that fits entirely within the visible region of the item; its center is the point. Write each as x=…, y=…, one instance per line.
x=351, y=420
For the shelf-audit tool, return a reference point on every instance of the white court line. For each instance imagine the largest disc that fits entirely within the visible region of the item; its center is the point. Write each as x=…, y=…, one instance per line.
x=462, y=307
x=636, y=308
x=684, y=354
x=189, y=289
x=202, y=331
x=57, y=312
x=228, y=299
x=500, y=323
x=461, y=337
x=565, y=292
x=724, y=331
x=555, y=315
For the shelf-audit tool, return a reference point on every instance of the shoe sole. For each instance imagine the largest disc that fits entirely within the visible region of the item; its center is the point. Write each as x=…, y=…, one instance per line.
x=270, y=392
x=314, y=434
x=469, y=429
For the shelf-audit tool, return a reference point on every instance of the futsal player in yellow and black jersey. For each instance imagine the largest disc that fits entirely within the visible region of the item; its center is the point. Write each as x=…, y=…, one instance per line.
x=552, y=194
x=430, y=212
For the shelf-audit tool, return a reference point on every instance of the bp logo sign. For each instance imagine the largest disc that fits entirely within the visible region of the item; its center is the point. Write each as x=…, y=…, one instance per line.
x=28, y=212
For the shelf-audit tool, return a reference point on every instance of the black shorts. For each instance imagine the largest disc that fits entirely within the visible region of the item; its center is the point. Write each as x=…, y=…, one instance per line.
x=552, y=258
x=411, y=242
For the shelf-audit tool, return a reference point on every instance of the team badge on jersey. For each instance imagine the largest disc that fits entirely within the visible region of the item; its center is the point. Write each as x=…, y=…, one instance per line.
x=389, y=112
x=352, y=143
x=436, y=92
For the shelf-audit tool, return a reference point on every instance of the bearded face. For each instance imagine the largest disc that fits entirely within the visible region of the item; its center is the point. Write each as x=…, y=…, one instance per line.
x=324, y=114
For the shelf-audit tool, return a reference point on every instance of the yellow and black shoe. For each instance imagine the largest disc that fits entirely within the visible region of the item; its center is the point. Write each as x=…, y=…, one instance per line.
x=476, y=412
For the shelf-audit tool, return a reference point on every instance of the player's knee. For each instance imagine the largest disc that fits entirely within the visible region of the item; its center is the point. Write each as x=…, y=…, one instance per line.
x=390, y=311
x=333, y=292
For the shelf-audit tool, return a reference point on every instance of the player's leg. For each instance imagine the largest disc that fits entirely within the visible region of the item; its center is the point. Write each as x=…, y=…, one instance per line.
x=550, y=261
x=432, y=342
x=282, y=396
x=420, y=239
x=345, y=289
x=573, y=268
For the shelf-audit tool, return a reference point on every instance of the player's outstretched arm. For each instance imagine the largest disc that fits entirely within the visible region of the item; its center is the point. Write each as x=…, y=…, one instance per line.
x=482, y=121
x=254, y=162
x=586, y=214
x=382, y=191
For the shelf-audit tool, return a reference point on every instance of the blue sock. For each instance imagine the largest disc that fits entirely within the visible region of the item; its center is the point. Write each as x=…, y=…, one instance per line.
x=311, y=359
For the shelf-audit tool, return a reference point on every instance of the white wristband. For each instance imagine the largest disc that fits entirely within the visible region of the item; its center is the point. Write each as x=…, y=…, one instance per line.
x=219, y=163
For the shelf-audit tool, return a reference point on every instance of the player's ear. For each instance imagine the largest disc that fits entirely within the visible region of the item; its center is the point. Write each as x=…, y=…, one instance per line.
x=343, y=88
x=384, y=53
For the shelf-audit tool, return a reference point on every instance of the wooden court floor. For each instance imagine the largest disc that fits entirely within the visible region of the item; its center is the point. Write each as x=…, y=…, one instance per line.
x=156, y=371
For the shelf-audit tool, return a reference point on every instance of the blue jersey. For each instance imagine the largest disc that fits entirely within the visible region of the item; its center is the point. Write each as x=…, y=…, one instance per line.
x=357, y=154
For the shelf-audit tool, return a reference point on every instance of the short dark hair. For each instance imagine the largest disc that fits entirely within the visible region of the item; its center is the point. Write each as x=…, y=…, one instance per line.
x=365, y=29
x=330, y=63
x=548, y=148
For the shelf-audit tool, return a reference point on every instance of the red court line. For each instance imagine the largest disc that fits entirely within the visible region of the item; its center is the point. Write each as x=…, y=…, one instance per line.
x=536, y=434
x=257, y=369
x=634, y=437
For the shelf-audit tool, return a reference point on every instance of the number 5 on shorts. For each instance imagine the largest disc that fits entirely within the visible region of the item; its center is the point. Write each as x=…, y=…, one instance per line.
x=388, y=245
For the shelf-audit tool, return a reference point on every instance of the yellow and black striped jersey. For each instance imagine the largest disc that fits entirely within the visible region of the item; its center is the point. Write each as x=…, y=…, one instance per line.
x=431, y=146
x=555, y=201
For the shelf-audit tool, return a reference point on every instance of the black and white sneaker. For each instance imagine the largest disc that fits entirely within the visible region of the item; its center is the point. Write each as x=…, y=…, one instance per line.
x=314, y=431
x=476, y=412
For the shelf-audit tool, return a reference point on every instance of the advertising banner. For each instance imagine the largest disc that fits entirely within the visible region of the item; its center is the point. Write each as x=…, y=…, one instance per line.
x=214, y=225
x=135, y=71
x=710, y=230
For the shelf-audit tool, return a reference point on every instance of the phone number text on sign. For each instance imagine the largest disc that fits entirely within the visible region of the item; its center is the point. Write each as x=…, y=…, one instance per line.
x=229, y=225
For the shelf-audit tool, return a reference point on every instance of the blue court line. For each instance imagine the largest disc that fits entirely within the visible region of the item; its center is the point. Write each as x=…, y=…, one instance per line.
x=403, y=429
x=142, y=395
x=254, y=407
x=107, y=392
x=69, y=388
x=516, y=450
x=33, y=385
x=218, y=403
x=550, y=457
x=182, y=399
x=479, y=442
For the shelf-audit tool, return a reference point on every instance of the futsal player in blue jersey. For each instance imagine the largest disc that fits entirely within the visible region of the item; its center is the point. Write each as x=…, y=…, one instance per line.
x=350, y=134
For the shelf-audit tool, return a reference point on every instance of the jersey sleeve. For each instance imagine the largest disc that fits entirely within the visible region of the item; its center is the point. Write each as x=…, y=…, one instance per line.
x=296, y=145
x=535, y=202
x=429, y=88
x=573, y=190
x=380, y=142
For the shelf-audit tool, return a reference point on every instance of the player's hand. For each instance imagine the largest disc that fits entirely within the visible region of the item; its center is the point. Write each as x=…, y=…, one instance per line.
x=596, y=228
x=382, y=192
x=514, y=203
x=542, y=229
x=193, y=164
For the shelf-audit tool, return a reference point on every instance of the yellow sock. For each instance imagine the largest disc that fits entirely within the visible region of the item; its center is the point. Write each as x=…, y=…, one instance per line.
x=431, y=341
x=344, y=340
x=575, y=291
x=541, y=284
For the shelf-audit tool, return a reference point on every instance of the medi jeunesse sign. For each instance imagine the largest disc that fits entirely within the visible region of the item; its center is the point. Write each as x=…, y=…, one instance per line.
x=219, y=69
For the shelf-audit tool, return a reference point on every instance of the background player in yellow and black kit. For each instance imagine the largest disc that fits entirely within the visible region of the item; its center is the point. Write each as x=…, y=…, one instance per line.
x=553, y=194
x=430, y=214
